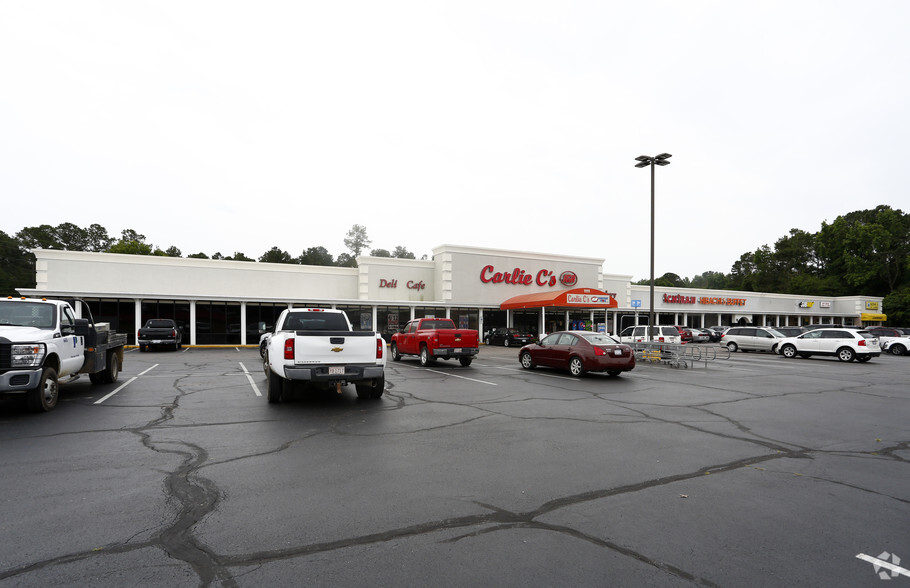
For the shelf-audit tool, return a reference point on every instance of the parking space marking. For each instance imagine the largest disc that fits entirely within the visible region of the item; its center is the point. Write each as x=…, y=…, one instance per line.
x=880, y=563
x=450, y=374
x=127, y=383
x=250, y=378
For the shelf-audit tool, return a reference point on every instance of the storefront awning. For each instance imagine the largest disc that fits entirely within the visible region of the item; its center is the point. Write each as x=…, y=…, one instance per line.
x=575, y=298
x=872, y=317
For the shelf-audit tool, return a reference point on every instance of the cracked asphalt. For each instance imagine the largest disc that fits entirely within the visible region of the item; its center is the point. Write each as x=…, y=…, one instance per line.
x=755, y=470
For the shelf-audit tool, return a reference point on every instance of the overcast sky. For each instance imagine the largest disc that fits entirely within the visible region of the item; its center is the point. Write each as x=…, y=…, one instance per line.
x=239, y=126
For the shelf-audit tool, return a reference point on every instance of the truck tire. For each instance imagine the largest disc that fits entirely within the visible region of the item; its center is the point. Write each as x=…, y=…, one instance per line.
x=396, y=356
x=370, y=389
x=44, y=397
x=112, y=371
x=465, y=361
x=143, y=348
x=426, y=358
x=275, y=387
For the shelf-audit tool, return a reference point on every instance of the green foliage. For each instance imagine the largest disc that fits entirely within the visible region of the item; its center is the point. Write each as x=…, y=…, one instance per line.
x=238, y=256
x=357, y=240
x=345, y=260
x=276, y=255
x=316, y=256
x=381, y=253
x=897, y=306
x=402, y=253
x=199, y=255
x=17, y=266
x=130, y=247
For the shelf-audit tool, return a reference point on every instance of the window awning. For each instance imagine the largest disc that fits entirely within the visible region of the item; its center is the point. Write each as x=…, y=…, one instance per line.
x=575, y=298
x=872, y=317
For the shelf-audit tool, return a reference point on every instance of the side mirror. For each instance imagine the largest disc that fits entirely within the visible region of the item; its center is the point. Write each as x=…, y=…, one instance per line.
x=81, y=328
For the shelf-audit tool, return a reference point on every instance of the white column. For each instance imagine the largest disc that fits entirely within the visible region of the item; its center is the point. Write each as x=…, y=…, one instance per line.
x=375, y=318
x=192, y=322
x=138, y=305
x=243, y=323
x=543, y=321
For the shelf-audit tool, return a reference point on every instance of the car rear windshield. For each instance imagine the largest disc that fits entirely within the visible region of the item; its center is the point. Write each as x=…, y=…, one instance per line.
x=315, y=321
x=160, y=324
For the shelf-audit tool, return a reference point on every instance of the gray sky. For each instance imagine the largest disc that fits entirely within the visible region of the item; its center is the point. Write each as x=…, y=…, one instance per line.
x=238, y=126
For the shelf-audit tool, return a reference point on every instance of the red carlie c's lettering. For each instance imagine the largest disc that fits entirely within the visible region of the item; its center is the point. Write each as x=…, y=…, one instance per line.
x=517, y=276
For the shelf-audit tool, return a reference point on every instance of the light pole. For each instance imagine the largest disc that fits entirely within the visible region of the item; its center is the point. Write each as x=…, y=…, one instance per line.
x=648, y=161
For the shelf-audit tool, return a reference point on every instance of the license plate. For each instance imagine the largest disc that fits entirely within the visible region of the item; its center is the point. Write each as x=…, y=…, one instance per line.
x=456, y=350
x=336, y=370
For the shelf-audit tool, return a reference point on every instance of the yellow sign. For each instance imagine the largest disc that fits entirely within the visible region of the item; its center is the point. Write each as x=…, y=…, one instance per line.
x=871, y=305
x=872, y=317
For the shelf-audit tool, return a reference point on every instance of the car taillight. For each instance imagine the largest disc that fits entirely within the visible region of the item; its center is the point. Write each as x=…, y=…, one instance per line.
x=289, y=349
x=380, y=343
x=600, y=351
x=661, y=339
x=862, y=342
x=174, y=333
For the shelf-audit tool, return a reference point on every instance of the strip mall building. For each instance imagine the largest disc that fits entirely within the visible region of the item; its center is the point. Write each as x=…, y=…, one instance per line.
x=233, y=302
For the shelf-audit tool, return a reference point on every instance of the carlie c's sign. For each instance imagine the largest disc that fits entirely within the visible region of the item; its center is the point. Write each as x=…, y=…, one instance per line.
x=544, y=277
x=589, y=299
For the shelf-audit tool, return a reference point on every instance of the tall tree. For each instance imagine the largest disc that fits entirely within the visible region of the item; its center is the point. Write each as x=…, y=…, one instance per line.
x=316, y=256
x=276, y=255
x=357, y=240
x=40, y=237
x=380, y=253
x=17, y=266
x=402, y=253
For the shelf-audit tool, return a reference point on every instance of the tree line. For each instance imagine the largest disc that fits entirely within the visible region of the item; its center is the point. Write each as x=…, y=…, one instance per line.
x=864, y=252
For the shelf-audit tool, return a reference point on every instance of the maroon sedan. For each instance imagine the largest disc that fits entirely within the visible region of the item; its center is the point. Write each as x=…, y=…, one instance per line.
x=579, y=352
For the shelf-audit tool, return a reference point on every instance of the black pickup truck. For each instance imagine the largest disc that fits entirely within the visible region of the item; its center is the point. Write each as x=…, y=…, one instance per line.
x=163, y=332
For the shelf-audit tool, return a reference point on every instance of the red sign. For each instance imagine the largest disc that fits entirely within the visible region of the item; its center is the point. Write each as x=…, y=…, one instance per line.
x=518, y=276
x=568, y=278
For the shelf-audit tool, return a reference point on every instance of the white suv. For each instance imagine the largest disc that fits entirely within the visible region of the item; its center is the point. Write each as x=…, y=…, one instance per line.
x=639, y=334
x=845, y=344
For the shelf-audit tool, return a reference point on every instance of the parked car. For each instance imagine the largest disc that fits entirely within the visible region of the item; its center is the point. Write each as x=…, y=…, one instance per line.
x=719, y=328
x=845, y=344
x=713, y=334
x=892, y=340
x=579, y=352
x=790, y=331
x=509, y=337
x=639, y=334
x=685, y=334
x=751, y=339
x=700, y=335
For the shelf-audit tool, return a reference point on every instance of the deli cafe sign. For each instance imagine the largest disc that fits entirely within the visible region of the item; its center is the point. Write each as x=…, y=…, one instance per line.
x=545, y=277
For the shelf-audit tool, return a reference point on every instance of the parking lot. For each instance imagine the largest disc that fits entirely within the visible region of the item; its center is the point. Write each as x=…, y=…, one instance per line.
x=752, y=470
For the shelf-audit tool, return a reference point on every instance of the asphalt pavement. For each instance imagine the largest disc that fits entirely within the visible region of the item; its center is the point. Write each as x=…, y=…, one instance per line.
x=748, y=469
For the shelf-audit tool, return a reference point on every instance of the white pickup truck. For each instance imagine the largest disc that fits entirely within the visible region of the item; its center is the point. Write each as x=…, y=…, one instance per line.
x=319, y=346
x=42, y=341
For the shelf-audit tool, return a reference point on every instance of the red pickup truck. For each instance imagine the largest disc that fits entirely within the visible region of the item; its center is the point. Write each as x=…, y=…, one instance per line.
x=435, y=338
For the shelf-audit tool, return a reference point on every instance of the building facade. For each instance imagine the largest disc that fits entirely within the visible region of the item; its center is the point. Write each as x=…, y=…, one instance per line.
x=234, y=302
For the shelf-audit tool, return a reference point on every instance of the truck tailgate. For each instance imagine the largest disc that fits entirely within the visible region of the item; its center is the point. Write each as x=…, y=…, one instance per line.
x=450, y=338
x=334, y=348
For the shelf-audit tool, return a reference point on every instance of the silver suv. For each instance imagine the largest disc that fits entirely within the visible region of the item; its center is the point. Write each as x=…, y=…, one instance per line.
x=751, y=339
x=845, y=344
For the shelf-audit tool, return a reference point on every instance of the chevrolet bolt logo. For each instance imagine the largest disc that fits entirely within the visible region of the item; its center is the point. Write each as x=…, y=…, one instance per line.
x=337, y=349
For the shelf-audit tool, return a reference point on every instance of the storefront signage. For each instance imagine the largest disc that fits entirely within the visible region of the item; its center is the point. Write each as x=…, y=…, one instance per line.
x=805, y=304
x=678, y=299
x=412, y=285
x=588, y=299
x=872, y=306
x=824, y=304
x=568, y=279
x=518, y=276
x=723, y=301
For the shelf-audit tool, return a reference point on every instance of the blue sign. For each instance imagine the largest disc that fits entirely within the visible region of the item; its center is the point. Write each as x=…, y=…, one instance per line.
x=636, y=304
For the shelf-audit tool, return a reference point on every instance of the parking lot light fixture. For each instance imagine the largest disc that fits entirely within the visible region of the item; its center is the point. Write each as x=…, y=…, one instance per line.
x=648, y=161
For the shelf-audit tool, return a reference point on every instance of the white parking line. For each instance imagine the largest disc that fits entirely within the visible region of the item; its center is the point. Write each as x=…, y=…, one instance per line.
x=127, y=383
x=250, y=378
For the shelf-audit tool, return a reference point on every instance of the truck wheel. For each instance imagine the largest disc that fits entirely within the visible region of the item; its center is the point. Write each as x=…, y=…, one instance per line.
x=265, y=365
x=370, y=389
x=275, y=387
x=425, y=357
x=111, y=372
x=465, y=361
x=395, y=355
x=44, y=397
x=143, y=348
